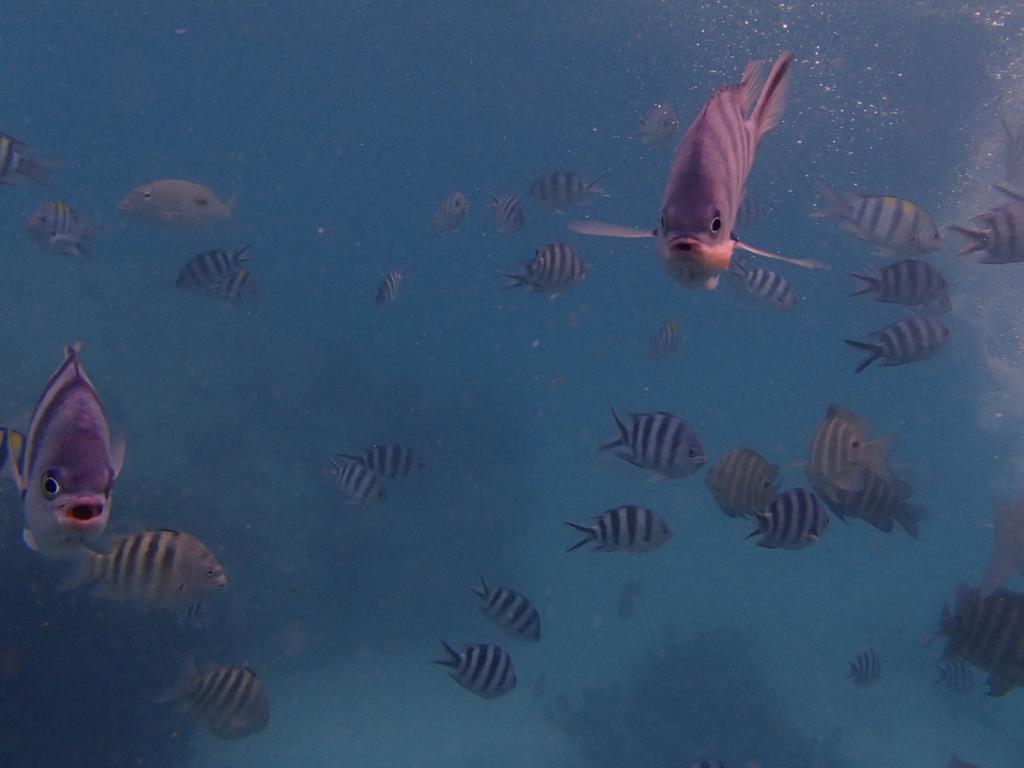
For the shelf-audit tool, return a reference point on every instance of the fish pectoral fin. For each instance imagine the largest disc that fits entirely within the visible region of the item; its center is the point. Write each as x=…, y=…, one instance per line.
x=805, y=263
x=30, y=540
x=604, y=229
x=117, y=453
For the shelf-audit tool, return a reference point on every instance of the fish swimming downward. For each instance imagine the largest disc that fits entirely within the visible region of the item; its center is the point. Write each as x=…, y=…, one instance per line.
x=707, y=180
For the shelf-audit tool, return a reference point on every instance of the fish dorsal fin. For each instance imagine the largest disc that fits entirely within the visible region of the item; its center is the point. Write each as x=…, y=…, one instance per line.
x=770, y=104
x=749, y=86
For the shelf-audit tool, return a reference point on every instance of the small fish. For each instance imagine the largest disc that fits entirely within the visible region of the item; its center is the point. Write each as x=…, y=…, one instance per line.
x=659, y=442
x=1008, y=552
x=841, y=450
x=176, y=204
x=999, y=232
x=895, y=225
x=910, y=282
x=387, y=291
x=658, y=126
x=879, y=502
x=561, y=190
x=483, y=669
x=1014, y=153
x=742, y=482
x=193, y=615
x=389, y=460
x=629, y=528
x=509, y=211
x=553, y=268
x=631, y=590
x=209, y=269
x=956, y=676
x=12, y=451
x=229, y=702
x=793, y=519
x=513, y=613
x=761, y=285
x=56, y=227
x=910, y=340
x=865, y=669
x=956, y=762
x=15, y=162
x=665, y=342
x=238, y=286
x=357, y=481
x=450, y=213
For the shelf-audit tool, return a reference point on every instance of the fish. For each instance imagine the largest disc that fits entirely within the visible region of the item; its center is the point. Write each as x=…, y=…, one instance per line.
x=208, y=270
x=509, y=212
x=450, y=213
x=1014, y=153
x=842, y=449
x=357, y=481
x=629, y=528
x=659, y=442
x=12, y=451
x=553, y=268
x=387, y=291
x=562, y=190
x=956, y=762
x=164, y=569
x=761, y=285
x=481, y=668
x=511, y=612
x=894, y=225
x=176, y=204
x=707, y=181
x=1008, y=552
x=911, y=340
x=56, y=227
x=238, y=286
x=910, y=282
x=793, y=519
x=865, y=669
x=742, y=482
x=658, y=126
x=665, y=342
x=16, y=162
x=956, y=676
x=999, y=232
x=69, y=464
x=228, y=702
x=631, y=590
x=879, y=502
x=388, y=460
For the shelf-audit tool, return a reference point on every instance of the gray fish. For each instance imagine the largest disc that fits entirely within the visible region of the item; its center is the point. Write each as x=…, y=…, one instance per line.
x=842, y=449
x=1008, y=552
x=56, y=227
x=742, y=482
x=561, y=190
x=865, y=669
x=512, y=612
x=910, y=340
x=238, y=286
x=999, y=232
x=793, y=519
x=177, y=204
x=910, y=282
x=761, y=285
x=483, y=669
x=879, y=502
x=16, y=162
x=629, y=528
x=1014, y=153
x=658, y=126
x=553, y=268
x=356, y=480
x=229, y=702
x=955, y=676
x=665, y=342
x=895, y=225
x=451, y=212
x=387, y=291
x=208, y=270
x=389, y=460
x=509, y=212
x=659, y=442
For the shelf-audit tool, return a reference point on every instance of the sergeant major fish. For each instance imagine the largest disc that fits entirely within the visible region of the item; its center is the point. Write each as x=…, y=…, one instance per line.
x=553, y=268
x=629, y=528
x=742, y=482
x=906, y=341
x=879, y=502
x=761, y=285
x=389, y=460
x=387, y=291
x=16, y=162
x=865, y=669
x=229, y=702
x=665, y=342
x=176, y=204
x=450, y=213
x=999, y=232
x=659, y=442
x=56, y=227
x=509, y=212
x=842, y=449
x=793, y=519
x=237, y=286
x=512, y=612
x=910, y=282
x=208, y=270
x=483, y=669
x=956, y=676
x=356, y=480
x=895, y=225
x=561, y=190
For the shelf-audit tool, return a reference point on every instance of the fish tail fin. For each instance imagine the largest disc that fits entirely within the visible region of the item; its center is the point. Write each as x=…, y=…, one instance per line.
x=241, y=256
x=594, y=185
x=40, y=170
x=874, y=351
x=974, y=239
x=772, y=101
x=619, y=441
x=483, y=592
x=515, y=281
x=83, y=570
x=588, y=535
x=865, y=284
x=836, y=204
x=184, y=677
x=943, y=674
x=908, y=516
x=452, y=661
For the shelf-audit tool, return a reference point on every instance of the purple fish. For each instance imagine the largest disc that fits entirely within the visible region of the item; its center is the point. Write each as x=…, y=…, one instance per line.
x=69, y=466
x=707, y=180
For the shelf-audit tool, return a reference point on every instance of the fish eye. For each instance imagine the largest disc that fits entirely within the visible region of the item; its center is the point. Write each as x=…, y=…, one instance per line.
x=716, y=224
x=50, y=485
x=855, y=444
x=147, y=195
x=691, y=452
x=209, y=573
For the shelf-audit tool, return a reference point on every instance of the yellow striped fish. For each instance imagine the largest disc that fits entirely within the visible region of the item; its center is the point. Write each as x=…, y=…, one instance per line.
x=229, y=702
x=896, y=226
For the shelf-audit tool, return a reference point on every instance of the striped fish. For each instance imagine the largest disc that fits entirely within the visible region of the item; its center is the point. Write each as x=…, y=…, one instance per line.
x=56, y=227
x=895, y=225
x=509, y=212
x=356, y=480
x=15, y=163
x=483, y=669
x=629, y=528
x=229, y=702
x=659, y=442
x=955, y=676
x=910, y=340
x=658, y=126
x=742, y=482
x=665, y=342
x=238, y=286
x=879, y=502
x=865, y=669
x=561, y=190
x=793, y=519
x=389, y=460
x=387, y=291
x=842, y=449
x=553, y=268
x=1014, y=153
x=513, y=613
x=761, y=285
x=450, y=213
x=1008, y=552
x=999, y=232
x=910, y=282
x=208, y=270
x=161, y=569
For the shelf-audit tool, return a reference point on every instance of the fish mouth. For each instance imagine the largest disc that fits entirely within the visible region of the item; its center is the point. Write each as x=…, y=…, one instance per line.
x=84, y=515
x=693, y=262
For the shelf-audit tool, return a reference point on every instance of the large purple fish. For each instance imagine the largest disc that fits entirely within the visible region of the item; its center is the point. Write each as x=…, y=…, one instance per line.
x=67, y=474
x=707, y=180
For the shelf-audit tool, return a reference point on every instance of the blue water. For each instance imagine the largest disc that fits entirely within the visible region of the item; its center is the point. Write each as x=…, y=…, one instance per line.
x=341, y=128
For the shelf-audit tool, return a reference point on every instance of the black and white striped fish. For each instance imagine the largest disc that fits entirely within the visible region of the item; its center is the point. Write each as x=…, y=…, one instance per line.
x=629, y=528
x=388, y=460
x=761, y=285
x=238, y=286
x=56, y=227
x=561, y=190
x=482, y=668
x=665, y=342
x=387, y=291
x=956, y=676
x=999, y=232
x=793, y=519
x=910, y=282
x=895, y=225
x=1014, y=153
x=660, y=442
x=742, y=482
x=910, y=340
x=450, y=213
x=15, y=163
x=512, y=612
x=161, y=569
x=209, y=269
x=658, y=126
x=865, y=669
x=842, y=449
x=879, y=502
x=229, y=702
x=356, y=480
x=553, y=268
x=509, y=212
